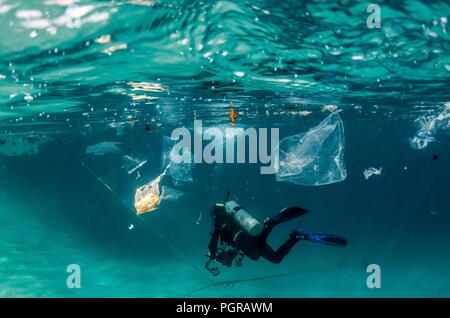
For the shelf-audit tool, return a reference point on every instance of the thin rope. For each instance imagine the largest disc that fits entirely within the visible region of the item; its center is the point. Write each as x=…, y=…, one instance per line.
x=158, y=233
x=252, y=279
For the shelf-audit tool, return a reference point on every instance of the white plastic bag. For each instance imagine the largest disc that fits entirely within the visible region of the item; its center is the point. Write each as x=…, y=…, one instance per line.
x=315, y=157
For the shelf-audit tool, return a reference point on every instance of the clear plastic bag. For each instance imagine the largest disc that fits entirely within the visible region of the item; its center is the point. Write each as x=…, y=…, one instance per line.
x=428, y=127
x=315, y=157
x=103, y=148
x=148, y=197
x=181, y=172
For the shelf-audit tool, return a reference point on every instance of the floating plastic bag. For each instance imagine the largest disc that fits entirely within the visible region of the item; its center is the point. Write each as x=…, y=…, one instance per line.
x=315, y=157
x=21, y=144
x=371, y=171
x=148, y=197
x=170, y=194
x=428, y=127
x=180, y=172
x=103, y=147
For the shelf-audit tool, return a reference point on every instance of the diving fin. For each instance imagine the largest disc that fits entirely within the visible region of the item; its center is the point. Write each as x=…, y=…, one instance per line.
x=328, y=239
x=288, y=214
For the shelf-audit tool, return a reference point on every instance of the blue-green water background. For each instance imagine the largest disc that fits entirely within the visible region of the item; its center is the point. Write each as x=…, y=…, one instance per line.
x=270, y=60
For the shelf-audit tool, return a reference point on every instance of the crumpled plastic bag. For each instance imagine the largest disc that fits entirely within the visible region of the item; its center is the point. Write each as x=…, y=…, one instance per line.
x=148, y=197
x=180, y=173
x=103, y=148
x=428, y=128
x=372, y=171
x=315, y=157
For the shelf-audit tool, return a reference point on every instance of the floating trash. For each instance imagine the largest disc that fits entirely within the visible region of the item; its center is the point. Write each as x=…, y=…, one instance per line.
x=17, y=145
x=120, y=126
x=233, y=116
x=110, y=50
x=371, y=171
x=428, y=127
x=148, y=197
x=181, y=172
x=131, y=165
x=315, y=157
x=103, y=39
x=329, y=108
x=103, y=148
x=28, y=98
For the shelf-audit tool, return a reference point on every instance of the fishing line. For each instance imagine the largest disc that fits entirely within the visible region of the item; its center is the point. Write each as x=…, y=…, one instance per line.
x=158, y=233
x=252, y=279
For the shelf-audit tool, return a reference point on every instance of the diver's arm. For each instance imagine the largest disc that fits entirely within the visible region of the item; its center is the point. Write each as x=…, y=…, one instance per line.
x=212, y=247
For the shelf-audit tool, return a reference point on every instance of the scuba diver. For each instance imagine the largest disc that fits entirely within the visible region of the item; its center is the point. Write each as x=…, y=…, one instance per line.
x=239, y=234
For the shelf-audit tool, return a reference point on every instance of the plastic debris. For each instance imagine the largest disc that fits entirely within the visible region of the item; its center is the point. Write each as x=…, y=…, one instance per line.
x=428, y=127
x=148, y=197
x=103, y=39
x=421, y=140
x=301, y=113
x=170, y=194
x=315, y=157
x=20, y=144
x=131, y=165
x=233, y=116
x=199, y=219
x=371, y=171
x=131, y=227
x=120, y=126
x=102, y=148
x=110, y=50
x=180, y=173
x=28, y=98
x=329, y=108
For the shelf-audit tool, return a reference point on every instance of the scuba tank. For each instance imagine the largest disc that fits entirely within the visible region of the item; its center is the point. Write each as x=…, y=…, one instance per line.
x=251, y=225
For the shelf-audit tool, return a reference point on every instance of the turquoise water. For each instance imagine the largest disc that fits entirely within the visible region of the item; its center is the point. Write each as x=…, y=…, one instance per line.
x=130, y=72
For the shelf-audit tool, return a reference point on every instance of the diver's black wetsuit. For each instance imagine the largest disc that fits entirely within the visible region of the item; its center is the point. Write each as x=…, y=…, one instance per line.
x=228, y=231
